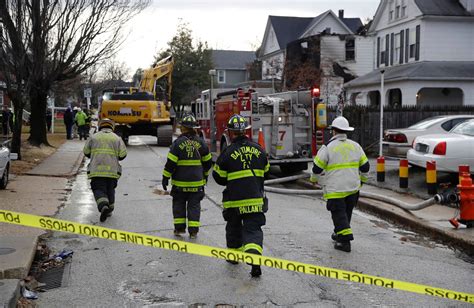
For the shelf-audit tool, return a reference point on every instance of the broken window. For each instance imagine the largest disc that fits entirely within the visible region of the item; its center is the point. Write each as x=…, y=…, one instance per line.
x=350, y=49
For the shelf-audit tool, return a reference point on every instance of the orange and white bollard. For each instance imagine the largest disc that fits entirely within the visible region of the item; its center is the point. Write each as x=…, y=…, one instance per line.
x=463, y=169
x=431, y=179
x=261, y=138
x=381, y=169
x=403, y=173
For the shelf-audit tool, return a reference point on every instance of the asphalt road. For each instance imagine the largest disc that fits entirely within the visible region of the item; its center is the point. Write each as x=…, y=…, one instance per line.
x=111, y=274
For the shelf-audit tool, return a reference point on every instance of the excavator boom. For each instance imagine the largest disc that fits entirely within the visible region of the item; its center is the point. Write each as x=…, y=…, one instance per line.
x=163, y=68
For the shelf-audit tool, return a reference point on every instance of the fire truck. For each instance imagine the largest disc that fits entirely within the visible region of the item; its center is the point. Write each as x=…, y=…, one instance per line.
x=283, y=123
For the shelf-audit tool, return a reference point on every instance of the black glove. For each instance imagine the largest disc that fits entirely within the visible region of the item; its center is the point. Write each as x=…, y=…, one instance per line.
x=165, y=183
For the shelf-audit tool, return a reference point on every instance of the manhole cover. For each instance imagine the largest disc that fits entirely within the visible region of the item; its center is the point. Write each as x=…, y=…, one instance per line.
x=6, y=251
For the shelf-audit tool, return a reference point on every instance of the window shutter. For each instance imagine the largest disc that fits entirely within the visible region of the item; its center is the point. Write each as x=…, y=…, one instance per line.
x=407, y=44
x=378, y=51
x=402, y=42
x=417, y=46
x=387, y=46
x=392, y=47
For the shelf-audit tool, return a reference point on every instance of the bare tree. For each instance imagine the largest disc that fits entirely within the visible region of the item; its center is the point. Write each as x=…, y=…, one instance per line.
x=62, y=39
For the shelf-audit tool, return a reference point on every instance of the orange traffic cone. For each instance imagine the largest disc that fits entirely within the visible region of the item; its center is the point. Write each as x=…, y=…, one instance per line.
x=261, y=139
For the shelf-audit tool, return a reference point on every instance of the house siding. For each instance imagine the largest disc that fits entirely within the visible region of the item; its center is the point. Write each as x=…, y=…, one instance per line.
x=271, y=43
x=440, y=36
x=276, y=61
x=333, y=48
x=327, y=22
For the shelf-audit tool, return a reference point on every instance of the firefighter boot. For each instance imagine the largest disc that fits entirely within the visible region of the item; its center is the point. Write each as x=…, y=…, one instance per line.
x=256, y=271
x=104, y=213
x=334, y=237
x=193, y=235
x=343, y=246
x=179, y=232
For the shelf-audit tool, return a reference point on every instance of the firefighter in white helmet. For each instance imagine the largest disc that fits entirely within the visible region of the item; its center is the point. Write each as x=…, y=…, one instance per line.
x=341, y=167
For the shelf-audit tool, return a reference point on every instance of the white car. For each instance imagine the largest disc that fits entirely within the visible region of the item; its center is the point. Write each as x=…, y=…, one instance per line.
x=449, y=150
x=5, y=158
x=397, y=142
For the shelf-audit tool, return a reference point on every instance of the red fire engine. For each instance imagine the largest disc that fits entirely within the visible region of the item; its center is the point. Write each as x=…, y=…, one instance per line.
x=284, y=123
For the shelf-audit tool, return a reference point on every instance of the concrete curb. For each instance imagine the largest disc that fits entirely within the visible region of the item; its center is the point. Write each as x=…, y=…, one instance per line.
x=9, y=292
x=419, y=225
x=411, y=222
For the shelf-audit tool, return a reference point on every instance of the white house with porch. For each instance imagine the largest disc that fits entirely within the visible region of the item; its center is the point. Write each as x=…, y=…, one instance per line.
x=426, y=50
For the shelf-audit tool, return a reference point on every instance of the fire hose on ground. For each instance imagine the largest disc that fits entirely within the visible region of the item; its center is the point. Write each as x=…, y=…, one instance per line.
x=364, y=194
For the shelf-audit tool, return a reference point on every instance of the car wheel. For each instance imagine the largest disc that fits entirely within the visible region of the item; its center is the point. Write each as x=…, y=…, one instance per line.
x=4, y=179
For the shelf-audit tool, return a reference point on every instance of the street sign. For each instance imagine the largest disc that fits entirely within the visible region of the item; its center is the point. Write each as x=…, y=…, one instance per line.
x=87, y=92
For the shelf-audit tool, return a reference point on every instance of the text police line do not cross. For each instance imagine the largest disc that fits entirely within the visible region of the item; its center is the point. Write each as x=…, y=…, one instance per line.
x=227, y=254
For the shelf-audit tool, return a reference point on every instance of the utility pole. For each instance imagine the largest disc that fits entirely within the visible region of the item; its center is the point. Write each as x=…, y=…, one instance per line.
x=212, y=73
x=382, y=100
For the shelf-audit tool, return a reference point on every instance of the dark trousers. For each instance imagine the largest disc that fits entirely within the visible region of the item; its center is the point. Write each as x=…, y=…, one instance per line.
x=187, y=205
x=341, y=213
x=104, y=191
x=82, y=131
x=244, y=231
x=5, y=128
x=69, y=131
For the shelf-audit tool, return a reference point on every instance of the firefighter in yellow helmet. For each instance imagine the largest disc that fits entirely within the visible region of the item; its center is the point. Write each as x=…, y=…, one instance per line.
x=187, y=165
x=105, y=149
x=242, y=167
x=341, y=167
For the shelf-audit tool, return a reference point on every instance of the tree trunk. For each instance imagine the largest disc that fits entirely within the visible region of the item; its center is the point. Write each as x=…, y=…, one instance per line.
x=18, y=105
x=38, y=131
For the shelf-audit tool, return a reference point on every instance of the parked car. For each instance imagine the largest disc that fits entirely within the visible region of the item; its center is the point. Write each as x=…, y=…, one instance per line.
x=5, y=158
x=449, y=150
x=397, y=142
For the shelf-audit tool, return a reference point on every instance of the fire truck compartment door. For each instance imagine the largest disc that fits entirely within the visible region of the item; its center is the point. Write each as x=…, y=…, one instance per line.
x=285, y=139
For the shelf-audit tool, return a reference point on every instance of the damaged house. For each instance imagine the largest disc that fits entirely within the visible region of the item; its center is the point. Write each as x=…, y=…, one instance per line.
x=325, y=51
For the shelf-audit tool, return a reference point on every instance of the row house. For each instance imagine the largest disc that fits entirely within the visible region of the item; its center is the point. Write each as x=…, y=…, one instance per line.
x=332, y=42
x=231, y=67
x=425, y=50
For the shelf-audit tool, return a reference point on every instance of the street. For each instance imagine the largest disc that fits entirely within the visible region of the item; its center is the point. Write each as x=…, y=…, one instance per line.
x=108, y=273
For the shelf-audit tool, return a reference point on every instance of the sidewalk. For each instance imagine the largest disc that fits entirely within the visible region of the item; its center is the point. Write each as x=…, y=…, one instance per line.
x=42, y=191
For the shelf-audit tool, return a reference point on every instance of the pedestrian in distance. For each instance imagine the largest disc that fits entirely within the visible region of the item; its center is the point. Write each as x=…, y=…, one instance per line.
x=6, y=114
x=49, y=119
x=242, y=168
x=81, y=121
x=68, y=122
x=105, y=149
x=341, y=167
x=74, y=125
x=187, y=165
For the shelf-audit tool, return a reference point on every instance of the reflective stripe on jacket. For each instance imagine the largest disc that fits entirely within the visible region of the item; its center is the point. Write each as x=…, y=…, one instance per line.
x=105, y=149
x=233, y=169
x=188, y=162
x=338, y=163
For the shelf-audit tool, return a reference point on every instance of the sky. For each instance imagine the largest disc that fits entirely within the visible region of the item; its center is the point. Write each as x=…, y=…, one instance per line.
x=224, y=24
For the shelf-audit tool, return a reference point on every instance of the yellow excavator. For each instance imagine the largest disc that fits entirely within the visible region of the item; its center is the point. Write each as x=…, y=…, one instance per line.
x=144, y=110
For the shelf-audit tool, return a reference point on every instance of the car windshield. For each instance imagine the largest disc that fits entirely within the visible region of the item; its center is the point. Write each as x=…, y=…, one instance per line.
x=425, y=123
x=465, y=128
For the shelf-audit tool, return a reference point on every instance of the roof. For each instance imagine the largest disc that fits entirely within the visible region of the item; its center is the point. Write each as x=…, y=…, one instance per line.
x=439, y=70
x=288, y=29
x=441, y=8
x=232, y=59
x=315, y=21
x=353, y=23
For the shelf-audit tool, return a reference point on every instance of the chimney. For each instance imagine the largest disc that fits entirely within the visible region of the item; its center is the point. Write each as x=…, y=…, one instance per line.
x=341, y=14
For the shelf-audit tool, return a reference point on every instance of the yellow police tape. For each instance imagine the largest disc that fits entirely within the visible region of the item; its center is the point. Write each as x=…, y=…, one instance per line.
x=220, y=253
